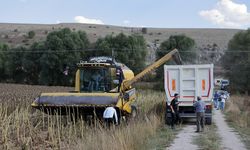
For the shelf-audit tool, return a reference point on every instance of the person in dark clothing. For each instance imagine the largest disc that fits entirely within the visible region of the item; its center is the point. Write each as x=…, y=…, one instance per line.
x=174, y=106
x=120, y=77
x=215, y=99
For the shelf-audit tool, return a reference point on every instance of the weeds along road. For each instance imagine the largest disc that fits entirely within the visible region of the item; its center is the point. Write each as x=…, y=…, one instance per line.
x=185, y=139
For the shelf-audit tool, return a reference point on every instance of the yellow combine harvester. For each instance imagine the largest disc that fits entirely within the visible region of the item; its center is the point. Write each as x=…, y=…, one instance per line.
x=99, y=83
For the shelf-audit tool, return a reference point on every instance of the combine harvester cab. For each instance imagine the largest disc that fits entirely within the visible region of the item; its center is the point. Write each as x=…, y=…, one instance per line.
x=189, y=81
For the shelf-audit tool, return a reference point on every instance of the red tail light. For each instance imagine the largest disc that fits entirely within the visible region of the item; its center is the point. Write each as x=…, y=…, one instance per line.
x=208, y=106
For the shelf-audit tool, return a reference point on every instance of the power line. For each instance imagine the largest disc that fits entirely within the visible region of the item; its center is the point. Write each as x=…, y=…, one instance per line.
x=117, y=50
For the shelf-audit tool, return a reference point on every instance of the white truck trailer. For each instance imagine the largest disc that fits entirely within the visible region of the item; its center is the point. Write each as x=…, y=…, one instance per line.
x=189, y=81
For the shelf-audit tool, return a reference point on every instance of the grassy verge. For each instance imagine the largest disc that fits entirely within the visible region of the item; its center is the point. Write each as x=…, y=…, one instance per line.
x=209, y=139
x=237, y=115
x=163, y=138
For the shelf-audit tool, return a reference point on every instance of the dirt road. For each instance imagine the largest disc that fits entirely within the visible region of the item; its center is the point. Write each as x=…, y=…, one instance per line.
x=230, y=140
x=184, y=139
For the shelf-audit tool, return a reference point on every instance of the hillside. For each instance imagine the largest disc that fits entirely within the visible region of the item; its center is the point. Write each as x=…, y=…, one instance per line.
x=206, y=39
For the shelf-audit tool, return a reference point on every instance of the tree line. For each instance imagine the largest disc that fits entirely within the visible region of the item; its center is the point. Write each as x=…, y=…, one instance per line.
x=236, y=61
x=45, y=62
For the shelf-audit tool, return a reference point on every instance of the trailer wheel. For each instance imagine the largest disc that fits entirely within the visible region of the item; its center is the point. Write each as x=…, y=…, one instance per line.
x=208, y=120
x=168, y=120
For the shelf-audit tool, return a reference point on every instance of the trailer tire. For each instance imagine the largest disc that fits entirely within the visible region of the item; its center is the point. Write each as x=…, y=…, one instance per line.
x=208, y=121
x=168, y=120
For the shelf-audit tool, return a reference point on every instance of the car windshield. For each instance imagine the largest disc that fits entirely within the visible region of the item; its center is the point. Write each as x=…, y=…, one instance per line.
x=224, y=82
x=95, y=79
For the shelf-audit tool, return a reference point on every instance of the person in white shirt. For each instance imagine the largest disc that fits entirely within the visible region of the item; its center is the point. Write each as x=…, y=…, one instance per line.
x=110, y=116
x=223, y=100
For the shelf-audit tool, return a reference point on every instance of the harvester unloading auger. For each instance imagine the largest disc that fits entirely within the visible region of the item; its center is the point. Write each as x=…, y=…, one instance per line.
x=99, y=83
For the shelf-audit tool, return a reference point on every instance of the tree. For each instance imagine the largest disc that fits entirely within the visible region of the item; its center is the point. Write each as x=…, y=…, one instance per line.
x=15, y=68
x=31, y=34
x=144, y=30
x=4, y=48
x=130, y=50
x=31, y=63
x=237, y=62
x=44, y=62
x=184, y=44
x=64, y=49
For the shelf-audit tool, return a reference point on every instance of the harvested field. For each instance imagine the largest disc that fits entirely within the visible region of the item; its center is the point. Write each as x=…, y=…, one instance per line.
x=22, y=127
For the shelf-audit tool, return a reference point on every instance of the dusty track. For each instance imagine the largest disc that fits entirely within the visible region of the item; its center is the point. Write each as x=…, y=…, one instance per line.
x=230, y=140
x=184, y=139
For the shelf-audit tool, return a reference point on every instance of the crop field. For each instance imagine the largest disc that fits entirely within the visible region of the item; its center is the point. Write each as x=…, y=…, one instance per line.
x=22, y=127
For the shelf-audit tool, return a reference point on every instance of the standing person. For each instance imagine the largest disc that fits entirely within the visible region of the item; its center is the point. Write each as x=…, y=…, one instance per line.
x=120, y=77
x=174, y=106
x=110, y=116
x=200, y=107
x=216, y=98
x=219, y=101
x=223, y=100
x=94, y=81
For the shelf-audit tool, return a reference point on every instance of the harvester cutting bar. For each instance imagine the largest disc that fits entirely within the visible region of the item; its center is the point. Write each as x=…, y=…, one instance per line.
x=76, y=99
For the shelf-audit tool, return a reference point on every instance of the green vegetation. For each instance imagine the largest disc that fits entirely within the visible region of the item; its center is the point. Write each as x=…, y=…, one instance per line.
x=130, y=50
x=209, y=139
x=31, y=34
x=3, y=61
x=63, y=49
x=184, y=44
x=144, y=30
x=237, y=61
x=45, y=62
x=162, y=139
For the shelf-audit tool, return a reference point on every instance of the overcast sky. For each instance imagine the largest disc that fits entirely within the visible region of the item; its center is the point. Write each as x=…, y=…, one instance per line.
x=137, y=13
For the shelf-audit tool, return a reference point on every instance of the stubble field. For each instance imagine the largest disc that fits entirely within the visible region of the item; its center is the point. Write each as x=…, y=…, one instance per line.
x=22, y=127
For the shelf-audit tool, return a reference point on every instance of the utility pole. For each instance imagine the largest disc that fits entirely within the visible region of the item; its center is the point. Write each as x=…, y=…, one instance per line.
x=112, y=54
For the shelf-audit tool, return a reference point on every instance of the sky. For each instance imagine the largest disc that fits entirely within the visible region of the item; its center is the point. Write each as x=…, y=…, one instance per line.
x=131, y=13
